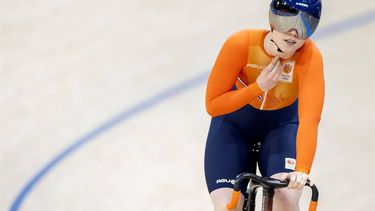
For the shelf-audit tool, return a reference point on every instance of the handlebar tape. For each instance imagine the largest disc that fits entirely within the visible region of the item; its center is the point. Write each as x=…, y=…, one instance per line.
x=233, y=203
x=313, y=205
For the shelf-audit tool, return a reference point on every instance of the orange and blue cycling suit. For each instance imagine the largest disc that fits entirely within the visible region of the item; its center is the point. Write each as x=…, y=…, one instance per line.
x=284, y=120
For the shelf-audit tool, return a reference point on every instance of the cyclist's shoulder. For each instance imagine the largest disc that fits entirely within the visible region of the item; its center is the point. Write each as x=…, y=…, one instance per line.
x=310, y=51
x=244, y=37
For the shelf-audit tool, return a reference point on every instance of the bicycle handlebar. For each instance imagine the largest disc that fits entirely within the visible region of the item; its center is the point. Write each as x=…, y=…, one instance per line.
x=268, y=183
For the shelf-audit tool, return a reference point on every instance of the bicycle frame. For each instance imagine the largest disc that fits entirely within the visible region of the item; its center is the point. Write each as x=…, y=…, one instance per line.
x=268, y=185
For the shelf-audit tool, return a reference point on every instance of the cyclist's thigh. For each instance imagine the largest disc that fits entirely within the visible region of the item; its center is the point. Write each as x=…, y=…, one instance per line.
x=227, y=154
x=278, y=150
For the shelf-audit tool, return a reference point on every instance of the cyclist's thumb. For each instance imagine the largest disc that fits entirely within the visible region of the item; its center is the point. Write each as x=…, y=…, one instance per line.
x=284, y=176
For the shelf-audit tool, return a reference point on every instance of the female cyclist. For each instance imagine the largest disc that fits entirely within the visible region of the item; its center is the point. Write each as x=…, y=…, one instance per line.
x=266, y=87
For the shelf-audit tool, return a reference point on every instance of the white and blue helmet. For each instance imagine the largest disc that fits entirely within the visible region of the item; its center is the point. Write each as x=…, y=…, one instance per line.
x=301, y=15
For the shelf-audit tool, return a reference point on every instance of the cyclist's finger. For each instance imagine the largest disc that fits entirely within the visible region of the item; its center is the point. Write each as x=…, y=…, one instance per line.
x=275, y=72
x=303, y=182
x=284, y=176
x=311, y=181
x=292, y=181
x=278, y=72
x=299, y=180
x=274, y=62
x=273, y=68
x=272, y=65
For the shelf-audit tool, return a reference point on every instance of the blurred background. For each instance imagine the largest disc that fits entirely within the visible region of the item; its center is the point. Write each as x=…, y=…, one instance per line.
x=102, y=102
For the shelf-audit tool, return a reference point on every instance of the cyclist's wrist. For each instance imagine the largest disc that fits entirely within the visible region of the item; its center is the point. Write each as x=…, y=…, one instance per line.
x=302, y=169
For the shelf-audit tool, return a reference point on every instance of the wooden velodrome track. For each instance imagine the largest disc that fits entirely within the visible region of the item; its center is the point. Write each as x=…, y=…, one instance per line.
x=102, y=102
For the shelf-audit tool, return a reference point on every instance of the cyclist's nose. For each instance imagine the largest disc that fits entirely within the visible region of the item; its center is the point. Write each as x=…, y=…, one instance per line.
x=293, y=32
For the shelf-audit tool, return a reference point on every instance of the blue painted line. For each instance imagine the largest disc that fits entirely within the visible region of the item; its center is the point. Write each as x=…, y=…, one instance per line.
x=128, y=114
x=345, y=25
x=327, y=31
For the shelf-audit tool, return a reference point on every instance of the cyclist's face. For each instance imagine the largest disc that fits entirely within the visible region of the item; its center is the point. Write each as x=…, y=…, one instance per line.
x=289, y=41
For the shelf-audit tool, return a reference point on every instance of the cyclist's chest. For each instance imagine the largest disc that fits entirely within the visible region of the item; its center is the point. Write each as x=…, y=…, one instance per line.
x=286, y=90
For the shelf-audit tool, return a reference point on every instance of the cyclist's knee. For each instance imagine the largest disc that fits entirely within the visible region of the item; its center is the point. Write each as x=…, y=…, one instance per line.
x=223, y=207
x=287, y=196
x=221, y=197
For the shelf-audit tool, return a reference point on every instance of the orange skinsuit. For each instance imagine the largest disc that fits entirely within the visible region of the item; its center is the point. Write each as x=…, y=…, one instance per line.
x=239, y=63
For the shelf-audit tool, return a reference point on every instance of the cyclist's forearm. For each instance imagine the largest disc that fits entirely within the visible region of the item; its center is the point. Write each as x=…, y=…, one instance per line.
x=306, y=143
x=233, y=100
